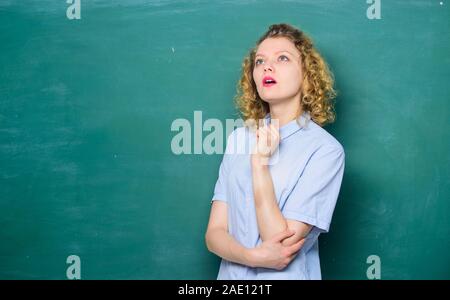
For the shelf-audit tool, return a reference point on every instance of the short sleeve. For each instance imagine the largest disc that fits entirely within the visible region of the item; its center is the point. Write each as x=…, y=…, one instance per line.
x=314, y=196
x=221, y=186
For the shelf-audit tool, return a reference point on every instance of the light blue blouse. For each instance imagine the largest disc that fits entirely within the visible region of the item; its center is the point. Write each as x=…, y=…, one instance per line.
x=306, y=171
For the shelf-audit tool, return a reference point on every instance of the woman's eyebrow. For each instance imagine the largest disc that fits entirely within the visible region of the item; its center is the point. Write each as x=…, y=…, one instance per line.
x=260, y=54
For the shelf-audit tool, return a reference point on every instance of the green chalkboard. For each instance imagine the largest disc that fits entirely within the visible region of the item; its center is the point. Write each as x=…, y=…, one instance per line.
x=86, y=113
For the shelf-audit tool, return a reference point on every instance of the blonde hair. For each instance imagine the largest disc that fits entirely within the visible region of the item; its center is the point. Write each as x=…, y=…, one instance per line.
x=317, y=90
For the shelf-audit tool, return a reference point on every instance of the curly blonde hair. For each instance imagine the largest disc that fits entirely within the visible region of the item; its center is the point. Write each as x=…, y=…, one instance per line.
x=317, y=90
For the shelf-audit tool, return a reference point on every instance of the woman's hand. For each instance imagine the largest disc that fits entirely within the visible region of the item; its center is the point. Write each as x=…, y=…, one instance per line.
x=267, y=141
x=272, y=254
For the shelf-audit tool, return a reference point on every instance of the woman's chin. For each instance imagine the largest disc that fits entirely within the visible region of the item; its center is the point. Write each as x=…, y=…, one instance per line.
x=272, y=100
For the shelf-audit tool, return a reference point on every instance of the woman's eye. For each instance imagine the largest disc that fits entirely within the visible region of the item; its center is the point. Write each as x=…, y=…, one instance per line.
x=282, y=57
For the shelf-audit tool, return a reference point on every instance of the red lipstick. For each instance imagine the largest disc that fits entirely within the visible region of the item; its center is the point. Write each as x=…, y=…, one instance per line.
x=268, y=81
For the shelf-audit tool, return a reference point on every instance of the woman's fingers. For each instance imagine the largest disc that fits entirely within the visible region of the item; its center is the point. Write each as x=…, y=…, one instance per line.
x=290, y=241
x=291, y=258
x=269, y=134
x=268, y=139
x=296, y=247
x=274, y=131
x=276, y=125
x=264, y=141
x=266, y=135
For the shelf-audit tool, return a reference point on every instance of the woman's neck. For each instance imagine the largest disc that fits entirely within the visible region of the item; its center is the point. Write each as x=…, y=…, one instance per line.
x=285, y=112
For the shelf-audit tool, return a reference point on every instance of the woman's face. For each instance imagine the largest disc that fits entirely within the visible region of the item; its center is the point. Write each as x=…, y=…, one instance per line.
x=278, y=59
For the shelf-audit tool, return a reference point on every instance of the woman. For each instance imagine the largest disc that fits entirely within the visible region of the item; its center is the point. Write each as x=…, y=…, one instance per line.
x=271, y=203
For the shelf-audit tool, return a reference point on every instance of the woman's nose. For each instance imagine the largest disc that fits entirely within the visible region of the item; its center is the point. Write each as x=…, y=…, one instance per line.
x=267, y=67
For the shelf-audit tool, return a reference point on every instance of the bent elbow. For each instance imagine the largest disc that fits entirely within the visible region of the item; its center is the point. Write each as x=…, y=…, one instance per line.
x=208, y=240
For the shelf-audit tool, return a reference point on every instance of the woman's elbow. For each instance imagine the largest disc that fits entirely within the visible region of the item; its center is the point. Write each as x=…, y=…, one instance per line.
x=208, y=240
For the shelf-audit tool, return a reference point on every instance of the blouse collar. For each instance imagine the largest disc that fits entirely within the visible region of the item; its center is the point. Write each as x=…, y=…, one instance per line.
x=292, y=126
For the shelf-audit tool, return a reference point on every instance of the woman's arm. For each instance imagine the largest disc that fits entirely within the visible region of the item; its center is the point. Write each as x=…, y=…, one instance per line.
x=269, y=217
x=219, y=241
x=270, y=254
